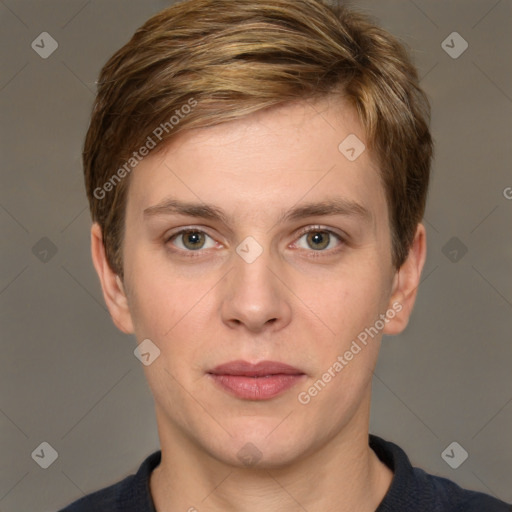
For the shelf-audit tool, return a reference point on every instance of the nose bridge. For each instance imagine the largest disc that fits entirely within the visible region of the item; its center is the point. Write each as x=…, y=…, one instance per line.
x=254, y=296
x=255, y=273
x=253, y=280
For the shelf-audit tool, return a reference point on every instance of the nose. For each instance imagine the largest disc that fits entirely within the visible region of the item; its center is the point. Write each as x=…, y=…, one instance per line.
x=254, y=297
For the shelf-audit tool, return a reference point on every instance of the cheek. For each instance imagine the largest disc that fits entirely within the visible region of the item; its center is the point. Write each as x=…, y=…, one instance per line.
x=164, y=302
x=348, y=299
x=350, y=307
x=152, y=297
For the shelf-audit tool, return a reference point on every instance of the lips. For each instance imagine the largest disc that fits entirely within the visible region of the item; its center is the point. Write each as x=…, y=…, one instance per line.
x=261, y=381
x=261, y=369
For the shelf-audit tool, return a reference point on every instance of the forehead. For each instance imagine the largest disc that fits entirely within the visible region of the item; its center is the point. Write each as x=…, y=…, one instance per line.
x=264, y=163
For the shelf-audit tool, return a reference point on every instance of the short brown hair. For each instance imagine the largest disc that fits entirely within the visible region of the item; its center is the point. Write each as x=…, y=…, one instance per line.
x=229, y=58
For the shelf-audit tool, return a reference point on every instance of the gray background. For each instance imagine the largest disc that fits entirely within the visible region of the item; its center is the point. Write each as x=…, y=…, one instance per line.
x=69, y=378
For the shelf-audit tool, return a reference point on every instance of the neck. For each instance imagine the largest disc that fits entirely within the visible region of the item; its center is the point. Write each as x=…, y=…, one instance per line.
x=343, y=475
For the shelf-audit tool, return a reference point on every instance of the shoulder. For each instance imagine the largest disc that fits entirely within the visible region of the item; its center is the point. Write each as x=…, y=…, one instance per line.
x=107, y=498
x=446, y=495
x=132, y=494
x=413, y=489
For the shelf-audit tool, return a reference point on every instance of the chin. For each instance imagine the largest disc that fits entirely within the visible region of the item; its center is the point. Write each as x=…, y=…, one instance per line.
x=257, y=445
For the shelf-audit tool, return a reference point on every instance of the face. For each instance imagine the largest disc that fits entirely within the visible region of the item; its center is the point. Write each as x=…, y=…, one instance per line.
x=259, y=240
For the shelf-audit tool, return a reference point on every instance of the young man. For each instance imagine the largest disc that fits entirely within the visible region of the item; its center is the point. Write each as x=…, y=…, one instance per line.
x=257, y=172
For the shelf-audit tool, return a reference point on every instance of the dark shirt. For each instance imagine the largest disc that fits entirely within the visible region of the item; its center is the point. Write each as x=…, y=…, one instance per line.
x=411, y=490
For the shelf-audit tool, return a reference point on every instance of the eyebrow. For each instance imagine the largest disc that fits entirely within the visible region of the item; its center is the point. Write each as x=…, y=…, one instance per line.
x=331, y=206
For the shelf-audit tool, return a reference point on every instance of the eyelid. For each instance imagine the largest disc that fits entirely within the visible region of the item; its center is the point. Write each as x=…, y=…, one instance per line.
x=318, y=227
x=184, y=229
x=188, y=229
x=299, y=234
x=340, y=237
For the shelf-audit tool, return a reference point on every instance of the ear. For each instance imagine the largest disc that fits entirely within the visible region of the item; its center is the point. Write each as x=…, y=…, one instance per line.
x=111, y=284
x=406, y=282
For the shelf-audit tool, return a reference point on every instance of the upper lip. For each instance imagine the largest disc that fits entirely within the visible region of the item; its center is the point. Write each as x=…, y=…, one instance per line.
x=246, y=369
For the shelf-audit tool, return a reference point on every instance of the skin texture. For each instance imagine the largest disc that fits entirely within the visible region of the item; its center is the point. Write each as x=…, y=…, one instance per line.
x=295, y=303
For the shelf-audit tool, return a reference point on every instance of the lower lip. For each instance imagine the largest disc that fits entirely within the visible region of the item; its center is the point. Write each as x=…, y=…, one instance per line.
x=256, y=388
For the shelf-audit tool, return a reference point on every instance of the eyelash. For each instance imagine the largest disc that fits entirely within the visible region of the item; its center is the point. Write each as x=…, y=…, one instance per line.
x=326, y=252
x=312, y=229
